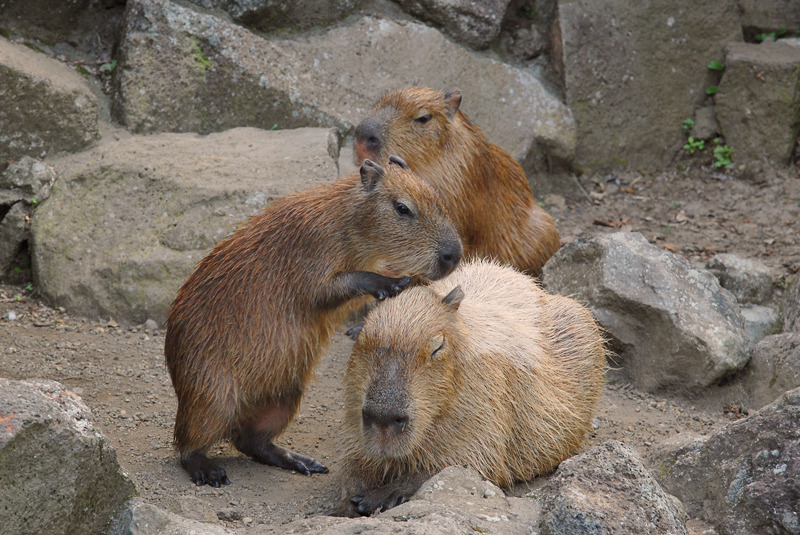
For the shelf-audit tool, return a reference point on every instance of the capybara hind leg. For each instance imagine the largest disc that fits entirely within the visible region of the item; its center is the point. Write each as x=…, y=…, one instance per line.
x=203, y=470
x=254, y=438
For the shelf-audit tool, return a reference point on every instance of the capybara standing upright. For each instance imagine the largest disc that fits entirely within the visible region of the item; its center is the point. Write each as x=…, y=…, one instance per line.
x=482, y=187
x=481, y=368
x=247, y=327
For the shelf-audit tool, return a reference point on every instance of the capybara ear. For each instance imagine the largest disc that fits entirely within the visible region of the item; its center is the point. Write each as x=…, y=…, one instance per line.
x=399, y=161
x=452, y=100
x=353, y=332
x=454, y=298
x=371, y=174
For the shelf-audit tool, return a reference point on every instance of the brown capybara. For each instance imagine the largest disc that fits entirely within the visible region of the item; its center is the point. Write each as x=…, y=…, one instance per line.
x=247, y=327
x=481, y=368
x=483, y=188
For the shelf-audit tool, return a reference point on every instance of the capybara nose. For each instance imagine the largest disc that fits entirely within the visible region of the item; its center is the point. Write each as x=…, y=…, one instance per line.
x=368, y=136
x=393, y=421
x=449, y=257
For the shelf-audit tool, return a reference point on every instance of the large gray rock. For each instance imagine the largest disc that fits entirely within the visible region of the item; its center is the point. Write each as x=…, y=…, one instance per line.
x=269, y=15
x=58, y=473
x=140, y=518
x=633, y=71
x=607, y=489
x=47, y=107
x=474, y=23
x=744, y=479
x=758, y=114
x=672, y=324
x=748, y=280
x=773, y=369
x=456, y=500
x=790, y=306
x=127, y=221
x=14, y=231
x=86, y=24
x=182, y=70
x=23, y=185
x=759, y=322
x=762, y=16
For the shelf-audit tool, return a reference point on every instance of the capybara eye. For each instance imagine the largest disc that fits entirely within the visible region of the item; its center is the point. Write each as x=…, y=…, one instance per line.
x=438, y=349
x=402, y=209
x=424, y=119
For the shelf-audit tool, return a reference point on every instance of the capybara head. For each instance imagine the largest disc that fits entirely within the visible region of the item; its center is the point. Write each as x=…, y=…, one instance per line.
x=413, y=122
x=404, y=227
x=400, y=373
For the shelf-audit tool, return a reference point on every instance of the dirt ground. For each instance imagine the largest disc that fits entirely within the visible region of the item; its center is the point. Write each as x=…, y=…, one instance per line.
x=120, y=372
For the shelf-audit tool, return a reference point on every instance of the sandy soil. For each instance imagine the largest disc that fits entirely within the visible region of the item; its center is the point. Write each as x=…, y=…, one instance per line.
x=120, y=372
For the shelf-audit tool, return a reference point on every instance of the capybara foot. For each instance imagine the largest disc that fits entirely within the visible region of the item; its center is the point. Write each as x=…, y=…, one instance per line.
x=377, y=500
x=203, y=470
x=282, y=458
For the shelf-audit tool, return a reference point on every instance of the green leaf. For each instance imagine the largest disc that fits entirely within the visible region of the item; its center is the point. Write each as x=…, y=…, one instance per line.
x=109, y=67
x=711, y=90
x=715, y=65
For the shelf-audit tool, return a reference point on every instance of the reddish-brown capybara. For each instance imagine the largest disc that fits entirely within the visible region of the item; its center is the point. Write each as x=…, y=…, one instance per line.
x=482, y=368
x=483, y=188
x=246, y=329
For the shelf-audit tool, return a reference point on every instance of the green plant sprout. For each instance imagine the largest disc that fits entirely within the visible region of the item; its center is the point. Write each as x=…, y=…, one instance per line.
x=109, y=67
x=688, y=124
x=693, y=145
x=715, y=65
x=711, y=90
x=774, y=36
x=722, y=153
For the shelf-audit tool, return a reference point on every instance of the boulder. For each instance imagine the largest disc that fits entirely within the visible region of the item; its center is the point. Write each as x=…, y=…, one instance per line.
x=790, y=306
x=476, y=24
x=758, y=322
x=86, y=24
x=774, y=369
x=59, y=474
x=748, y=280
x=758, y=102
x=28, y=178
x=182, y=70
x=743, y=479
x=633, y=71
x=705, y=123
x=141, y=518
x=47, y=107
x=14, y=232
x=763, y=16
x=22, y=186
x=456, y=500
x=607, y=489
x=271, y=15
x=671, y=324
x=126, y=222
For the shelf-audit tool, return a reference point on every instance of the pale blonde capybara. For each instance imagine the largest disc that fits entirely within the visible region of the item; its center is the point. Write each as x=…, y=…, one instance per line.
x=246, y=329
x=482, y=368
x=483, y=188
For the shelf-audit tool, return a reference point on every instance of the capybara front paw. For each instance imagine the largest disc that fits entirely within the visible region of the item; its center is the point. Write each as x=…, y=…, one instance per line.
x=377, y=501
x=392, y=288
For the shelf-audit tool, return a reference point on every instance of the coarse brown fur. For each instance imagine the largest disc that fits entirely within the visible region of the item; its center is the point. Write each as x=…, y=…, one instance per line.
x=246, y=329
x=481, y=368
x=483, y=188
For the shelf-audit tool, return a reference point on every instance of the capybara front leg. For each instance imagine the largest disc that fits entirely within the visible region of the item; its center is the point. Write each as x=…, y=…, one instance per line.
x=255, y=440
x=351, y=284
x=203, y=470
